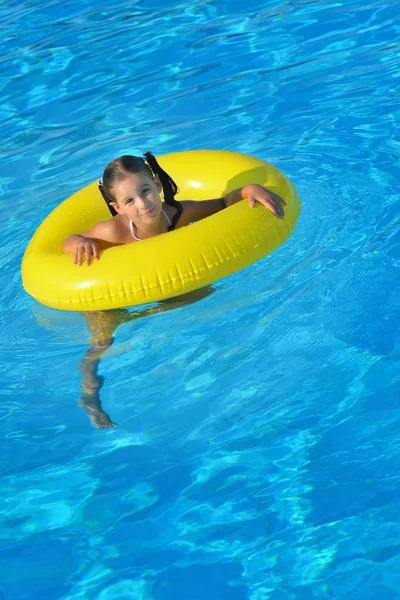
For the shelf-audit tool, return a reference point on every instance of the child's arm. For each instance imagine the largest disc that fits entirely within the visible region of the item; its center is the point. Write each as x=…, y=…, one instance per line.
x=254, y=192
x=89, y=242
x=257, y=193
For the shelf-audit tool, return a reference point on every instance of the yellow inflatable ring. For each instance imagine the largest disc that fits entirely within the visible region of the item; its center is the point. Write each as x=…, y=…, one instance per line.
x=170, y=264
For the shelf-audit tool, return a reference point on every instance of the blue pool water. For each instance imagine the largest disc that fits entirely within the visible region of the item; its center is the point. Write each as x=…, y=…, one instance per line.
x=258, y=444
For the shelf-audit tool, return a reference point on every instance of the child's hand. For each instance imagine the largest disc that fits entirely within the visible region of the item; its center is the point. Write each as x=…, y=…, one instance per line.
x=88, y=247
x=258, y=193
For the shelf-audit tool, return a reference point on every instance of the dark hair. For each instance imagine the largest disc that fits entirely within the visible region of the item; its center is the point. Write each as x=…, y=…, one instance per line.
x=126, y=165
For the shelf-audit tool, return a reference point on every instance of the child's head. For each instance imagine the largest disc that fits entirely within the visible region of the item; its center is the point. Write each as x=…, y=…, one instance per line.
x=127, y=175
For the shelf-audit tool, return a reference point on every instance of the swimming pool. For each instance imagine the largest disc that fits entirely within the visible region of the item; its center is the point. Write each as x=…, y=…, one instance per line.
x=257, y=450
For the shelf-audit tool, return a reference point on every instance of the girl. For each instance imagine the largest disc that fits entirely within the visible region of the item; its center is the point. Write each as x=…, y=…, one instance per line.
x=131, y=189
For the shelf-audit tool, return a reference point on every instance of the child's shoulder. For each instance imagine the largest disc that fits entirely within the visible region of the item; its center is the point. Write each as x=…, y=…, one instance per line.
x=194, y=210
x=111, y=230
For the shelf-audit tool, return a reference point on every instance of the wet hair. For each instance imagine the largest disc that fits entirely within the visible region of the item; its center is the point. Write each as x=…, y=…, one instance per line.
x=120, y=168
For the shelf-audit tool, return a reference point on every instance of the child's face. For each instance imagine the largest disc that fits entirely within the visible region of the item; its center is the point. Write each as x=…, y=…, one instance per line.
x=138, y=197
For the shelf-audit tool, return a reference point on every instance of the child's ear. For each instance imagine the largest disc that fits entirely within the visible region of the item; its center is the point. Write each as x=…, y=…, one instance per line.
x=117, y=208
x=157, y=182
